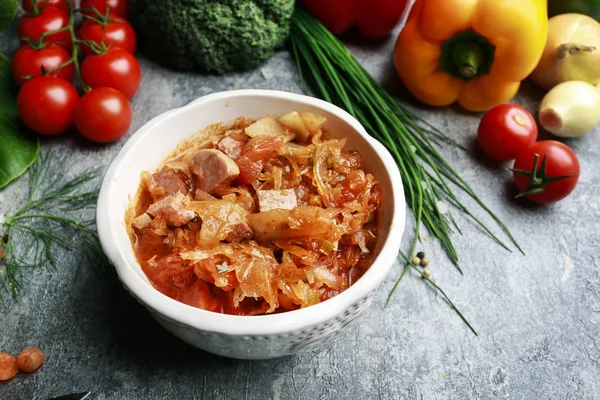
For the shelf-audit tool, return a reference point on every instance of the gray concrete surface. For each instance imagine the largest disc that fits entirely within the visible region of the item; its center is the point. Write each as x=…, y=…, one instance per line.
x=538, y=316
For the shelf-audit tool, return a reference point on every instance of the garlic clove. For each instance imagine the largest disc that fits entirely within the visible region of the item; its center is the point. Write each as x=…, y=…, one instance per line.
x=551, y=120
x=570, y=109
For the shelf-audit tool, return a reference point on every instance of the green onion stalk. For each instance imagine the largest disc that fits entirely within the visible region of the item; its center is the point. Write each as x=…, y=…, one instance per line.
x=429, y=180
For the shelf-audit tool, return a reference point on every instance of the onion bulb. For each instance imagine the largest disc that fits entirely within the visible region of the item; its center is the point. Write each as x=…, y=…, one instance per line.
x=572, y=52
x=570, y=109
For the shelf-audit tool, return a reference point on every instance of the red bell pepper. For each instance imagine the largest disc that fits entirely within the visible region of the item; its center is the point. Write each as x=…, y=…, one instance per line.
x=373, y=18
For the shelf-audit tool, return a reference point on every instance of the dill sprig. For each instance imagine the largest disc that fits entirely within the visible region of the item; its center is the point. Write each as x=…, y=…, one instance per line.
x=48, y=222
x=337, y=77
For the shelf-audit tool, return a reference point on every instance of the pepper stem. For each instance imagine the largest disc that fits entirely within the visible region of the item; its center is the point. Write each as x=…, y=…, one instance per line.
x=467, y=55
x=468, y=58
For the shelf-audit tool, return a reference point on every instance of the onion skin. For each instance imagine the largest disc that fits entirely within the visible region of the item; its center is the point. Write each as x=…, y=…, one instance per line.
x=570, y=109
x=572, y=52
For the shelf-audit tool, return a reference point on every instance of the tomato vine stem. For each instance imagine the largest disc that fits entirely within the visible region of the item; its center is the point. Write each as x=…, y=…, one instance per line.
x=74, y=51
x=539, y=179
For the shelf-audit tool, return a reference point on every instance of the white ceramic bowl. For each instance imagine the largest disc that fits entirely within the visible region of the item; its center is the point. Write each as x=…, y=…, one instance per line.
x=246, y=337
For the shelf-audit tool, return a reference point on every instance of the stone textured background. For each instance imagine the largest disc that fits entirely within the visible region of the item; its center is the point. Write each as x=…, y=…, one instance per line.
x=538, y=316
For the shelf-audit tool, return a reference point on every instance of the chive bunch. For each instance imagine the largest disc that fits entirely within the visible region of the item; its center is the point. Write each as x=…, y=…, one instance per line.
x=336, y=76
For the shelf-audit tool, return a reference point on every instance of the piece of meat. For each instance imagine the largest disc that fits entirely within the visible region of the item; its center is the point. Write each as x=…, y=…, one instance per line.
x=276, y=199
x=235, y=132
x=141, y=221
x=240, y=232
x=169, y=182
x=299, y=223
x=232, y=144
x=213, y=169
x=172, y=209
x=201, y=195
x=267, y=226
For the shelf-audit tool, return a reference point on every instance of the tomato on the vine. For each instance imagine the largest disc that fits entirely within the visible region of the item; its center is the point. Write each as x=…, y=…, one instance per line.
x=505, y=131
x=116, y=32
x=115, y=7
x=556, y=171
x=46, y=105
x=62, y=5
x=49, y=19
x=27, y=63
x=103, y=115
x=117, y=68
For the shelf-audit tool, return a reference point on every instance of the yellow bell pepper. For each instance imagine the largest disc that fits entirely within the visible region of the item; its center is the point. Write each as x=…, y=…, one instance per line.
x=475, y=52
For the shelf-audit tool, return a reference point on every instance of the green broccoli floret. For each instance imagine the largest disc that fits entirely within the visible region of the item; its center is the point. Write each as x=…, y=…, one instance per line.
x=211, y=35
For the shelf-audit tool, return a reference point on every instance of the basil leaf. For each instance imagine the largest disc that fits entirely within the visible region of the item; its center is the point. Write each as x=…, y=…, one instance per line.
x=8, y=9
x=18, y=149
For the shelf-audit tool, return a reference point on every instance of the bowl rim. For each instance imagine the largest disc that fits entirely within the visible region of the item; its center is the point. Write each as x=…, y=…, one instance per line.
x=261, y=325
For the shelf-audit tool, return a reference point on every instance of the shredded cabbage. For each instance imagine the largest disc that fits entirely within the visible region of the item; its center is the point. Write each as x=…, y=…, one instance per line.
x=250, y=262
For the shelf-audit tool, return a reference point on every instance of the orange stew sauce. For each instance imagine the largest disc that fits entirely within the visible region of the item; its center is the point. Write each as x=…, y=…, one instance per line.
x=256, y=217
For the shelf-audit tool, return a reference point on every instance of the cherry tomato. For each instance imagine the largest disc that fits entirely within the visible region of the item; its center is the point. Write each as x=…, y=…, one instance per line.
x=103, y=115
x=552, y=183
x=117, y=33
x=115, y=7
x=62, y=5
x=46, y=105
x=116, y=68
x=27, y=63
x=49, y=19
x=505, y=131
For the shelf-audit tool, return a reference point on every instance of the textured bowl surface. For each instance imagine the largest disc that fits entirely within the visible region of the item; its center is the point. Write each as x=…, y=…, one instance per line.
x=247, y=337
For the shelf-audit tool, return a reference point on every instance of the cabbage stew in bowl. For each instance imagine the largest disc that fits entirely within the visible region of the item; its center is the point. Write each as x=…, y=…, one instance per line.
x=256, y=217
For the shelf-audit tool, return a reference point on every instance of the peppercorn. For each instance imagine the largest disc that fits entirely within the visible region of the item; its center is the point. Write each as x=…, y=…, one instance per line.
x=424, y=262
x=427, y=273
x=421, y=255
x=416, y=261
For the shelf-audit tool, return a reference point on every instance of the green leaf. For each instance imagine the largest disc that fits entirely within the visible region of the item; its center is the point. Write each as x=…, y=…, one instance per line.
x=18, y=150
x=8, y=9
